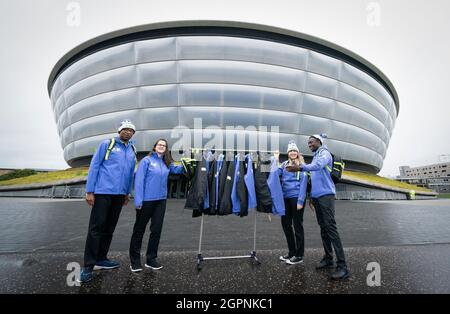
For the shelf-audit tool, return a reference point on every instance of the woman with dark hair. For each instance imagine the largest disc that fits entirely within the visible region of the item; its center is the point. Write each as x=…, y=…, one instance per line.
x=150, y=194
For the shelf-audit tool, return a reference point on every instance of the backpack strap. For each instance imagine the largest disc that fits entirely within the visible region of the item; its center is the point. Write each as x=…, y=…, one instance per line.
x=135, y=157
x=112, y=142
x=332, y=158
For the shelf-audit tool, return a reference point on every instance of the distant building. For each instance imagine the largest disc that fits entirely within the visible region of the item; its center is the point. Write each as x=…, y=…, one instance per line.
x=435, y=176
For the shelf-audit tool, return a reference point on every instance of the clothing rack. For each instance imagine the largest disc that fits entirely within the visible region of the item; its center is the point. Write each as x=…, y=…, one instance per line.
x=252, y=254
x=200, y=257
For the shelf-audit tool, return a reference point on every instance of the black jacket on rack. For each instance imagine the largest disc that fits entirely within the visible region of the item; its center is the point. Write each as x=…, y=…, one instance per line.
x=195, y=198
x=263, y=197
x=222, y=179
x=241, y=189
x=225, y=202
x=212, y=187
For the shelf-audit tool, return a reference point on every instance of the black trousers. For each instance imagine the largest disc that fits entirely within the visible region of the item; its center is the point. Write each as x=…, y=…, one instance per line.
x=102, y=223
x=292, y=216
x=155, y=211
x=328, y=230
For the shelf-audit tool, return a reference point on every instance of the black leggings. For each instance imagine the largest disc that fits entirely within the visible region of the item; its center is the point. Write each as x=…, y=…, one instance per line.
x=296, y=244
x=155, y=211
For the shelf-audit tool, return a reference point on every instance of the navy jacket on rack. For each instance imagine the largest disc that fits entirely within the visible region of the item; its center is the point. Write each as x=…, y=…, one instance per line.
x=211, y=187
x=214, y=172
x=221, y=184
x=196, y=195
x=239, y=195
x=242, y=190
x=263, y=198
x=209, y=161
x=225, y=202
x=250, y=183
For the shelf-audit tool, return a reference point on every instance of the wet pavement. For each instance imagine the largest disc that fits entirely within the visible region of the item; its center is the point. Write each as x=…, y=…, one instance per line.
x=410, y=240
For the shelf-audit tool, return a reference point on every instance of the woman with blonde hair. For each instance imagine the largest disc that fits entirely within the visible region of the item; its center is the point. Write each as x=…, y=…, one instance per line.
x=294, y=186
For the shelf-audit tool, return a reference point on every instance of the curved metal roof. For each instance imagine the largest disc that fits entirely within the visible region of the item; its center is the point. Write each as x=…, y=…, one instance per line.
x=229, y=28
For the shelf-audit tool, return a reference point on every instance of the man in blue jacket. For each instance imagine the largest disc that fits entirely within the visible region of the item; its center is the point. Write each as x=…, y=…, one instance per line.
x=108, y=188
x=323, y=193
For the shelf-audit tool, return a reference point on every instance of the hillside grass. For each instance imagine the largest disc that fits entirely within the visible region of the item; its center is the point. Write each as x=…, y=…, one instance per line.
x=71, y=173
x=382, y=180
x=48, y=177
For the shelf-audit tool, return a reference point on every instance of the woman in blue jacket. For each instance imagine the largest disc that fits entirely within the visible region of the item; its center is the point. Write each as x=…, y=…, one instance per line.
x=150, y=194
x=294, y=193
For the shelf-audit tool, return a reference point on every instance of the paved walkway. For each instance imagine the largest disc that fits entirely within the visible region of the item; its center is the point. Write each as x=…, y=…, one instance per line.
x=410, y=240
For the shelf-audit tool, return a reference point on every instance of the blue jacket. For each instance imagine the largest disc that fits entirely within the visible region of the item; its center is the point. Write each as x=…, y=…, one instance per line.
x=220, y=162
x=275, y=189
x=321, y=182
x=151, y=179
x=236, y=208
x=293, y=184
x=208, y=158
x=115, y=175
x=250, y=184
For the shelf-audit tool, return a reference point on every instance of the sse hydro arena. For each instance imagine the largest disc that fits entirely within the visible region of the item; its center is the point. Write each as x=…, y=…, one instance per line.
x=164, y=75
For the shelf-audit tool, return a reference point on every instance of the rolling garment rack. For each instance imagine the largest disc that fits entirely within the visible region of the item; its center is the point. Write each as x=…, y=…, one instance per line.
x=252, y=255
x=200, y=257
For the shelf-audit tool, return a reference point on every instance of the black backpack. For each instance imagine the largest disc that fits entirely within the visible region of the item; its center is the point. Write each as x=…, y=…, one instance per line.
x=308, y=183
x=338, y=168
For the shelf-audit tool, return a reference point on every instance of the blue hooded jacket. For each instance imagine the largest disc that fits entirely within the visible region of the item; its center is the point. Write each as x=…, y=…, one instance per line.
x=236, y=208
x=321, y=182
x=150, y=183
x=293, y=184
x=115, y=175
x=275, y=189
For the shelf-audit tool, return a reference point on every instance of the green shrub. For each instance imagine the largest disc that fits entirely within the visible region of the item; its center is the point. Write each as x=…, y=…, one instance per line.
x=19, y=173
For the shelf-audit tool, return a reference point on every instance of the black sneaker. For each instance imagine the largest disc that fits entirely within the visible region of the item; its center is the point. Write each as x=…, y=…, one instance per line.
x=295, y=260
x=340, y=273
x=153, y=264
x=323, y=264
x=285, y=258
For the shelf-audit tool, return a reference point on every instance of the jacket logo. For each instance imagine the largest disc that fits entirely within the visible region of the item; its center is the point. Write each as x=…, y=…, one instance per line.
x=153, y=164
x=116, y=149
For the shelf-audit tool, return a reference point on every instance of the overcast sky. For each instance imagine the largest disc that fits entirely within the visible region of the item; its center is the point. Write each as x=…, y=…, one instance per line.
x=408, y=40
